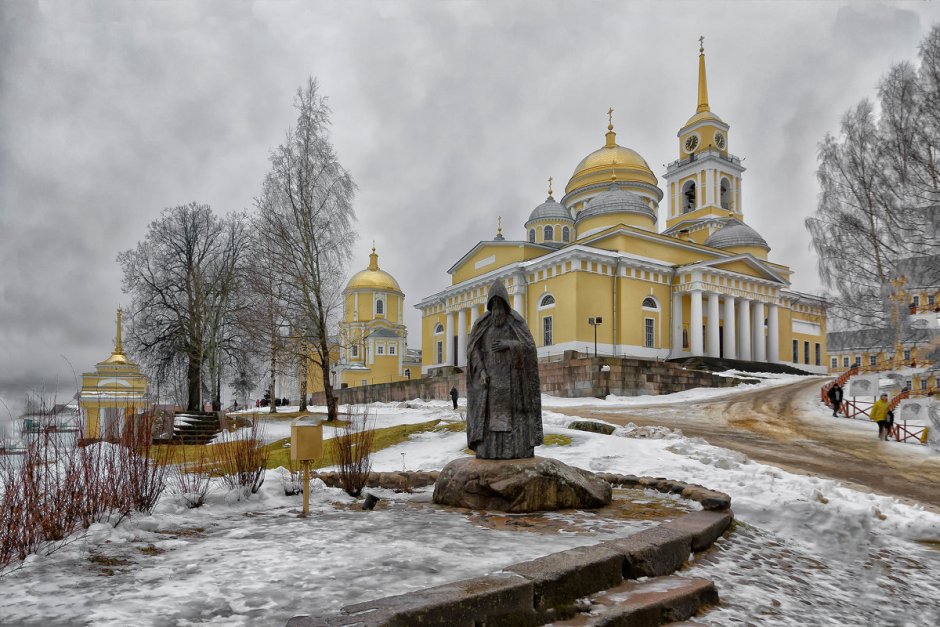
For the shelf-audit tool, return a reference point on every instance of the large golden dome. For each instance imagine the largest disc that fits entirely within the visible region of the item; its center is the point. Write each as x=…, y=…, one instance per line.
x=611, y=160
x=372, y=278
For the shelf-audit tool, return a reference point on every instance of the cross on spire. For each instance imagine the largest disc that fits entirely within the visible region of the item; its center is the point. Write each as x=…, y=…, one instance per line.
x=701, y=44
x=549, y=186
x=610, y=119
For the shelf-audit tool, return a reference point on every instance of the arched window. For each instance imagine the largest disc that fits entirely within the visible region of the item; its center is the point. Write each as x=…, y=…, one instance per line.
x=532, y=236
x=438, y=329
x=547, y=301
x=688, y=197
x=650, y=303
x=565, y=234
x=380, y=307
x=548, y=234
x=725, y=194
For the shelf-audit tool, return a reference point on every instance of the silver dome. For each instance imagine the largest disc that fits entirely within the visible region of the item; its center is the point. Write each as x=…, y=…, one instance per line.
x=735, y=234
x=549, y=210
x=616, y=201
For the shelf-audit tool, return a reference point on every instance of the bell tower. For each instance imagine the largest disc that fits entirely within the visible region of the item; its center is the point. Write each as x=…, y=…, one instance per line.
x=704, y=183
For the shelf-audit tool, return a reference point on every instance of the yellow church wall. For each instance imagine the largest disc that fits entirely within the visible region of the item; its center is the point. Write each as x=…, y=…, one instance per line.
x=664, y=249
x=558, y=227
x=706, y=139
x=631, y=315
x=366, y=302
x=502, y=255
x=594, y=224
x=429, y=339
x=756, y=251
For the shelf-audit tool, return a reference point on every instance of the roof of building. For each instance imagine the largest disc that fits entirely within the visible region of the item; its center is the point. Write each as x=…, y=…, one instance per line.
x=373, y=278
x=876, y=338
x=616, y=200
x=921, y=271
x=736, y=234
x=550, y=209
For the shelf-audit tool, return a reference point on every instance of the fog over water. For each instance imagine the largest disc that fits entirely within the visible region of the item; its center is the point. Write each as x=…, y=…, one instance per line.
x=447, y=114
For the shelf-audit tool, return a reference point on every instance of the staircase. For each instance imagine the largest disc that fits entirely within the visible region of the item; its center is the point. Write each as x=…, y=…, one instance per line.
x=841, y=380
x=195, y=427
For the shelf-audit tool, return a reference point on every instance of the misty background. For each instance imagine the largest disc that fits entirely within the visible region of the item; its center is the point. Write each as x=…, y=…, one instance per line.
x=447, y=114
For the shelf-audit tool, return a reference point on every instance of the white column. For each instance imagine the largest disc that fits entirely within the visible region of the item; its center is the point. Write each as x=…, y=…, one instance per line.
x=462, y=337
x=744, y=330
x=729, y=328
x=758, y=340
x=695, y=324
x=773, y=334
x=517, y=302
x=473, y=315
x=449, y=340
x=713, y=349
x=676, y=323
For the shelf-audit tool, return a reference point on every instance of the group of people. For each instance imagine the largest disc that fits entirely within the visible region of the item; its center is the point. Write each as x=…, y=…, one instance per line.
x=881, y=413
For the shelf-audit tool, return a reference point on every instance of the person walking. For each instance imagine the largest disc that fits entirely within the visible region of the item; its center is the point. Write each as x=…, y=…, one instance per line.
x=835, y=395
x=453, y=395
x=879, y=414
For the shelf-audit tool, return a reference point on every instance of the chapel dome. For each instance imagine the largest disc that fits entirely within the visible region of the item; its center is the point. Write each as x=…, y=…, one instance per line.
x=550, y=210
x=611, y=159
x=736, y=234
x=372, y=278
x=616, y=201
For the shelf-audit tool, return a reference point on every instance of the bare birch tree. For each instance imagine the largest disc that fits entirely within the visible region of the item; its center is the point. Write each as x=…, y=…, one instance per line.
x=306, y=212
x=879, y=197
x=183, y=280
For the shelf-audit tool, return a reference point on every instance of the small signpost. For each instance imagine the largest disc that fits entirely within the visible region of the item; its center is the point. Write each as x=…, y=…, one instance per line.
x=306, y=445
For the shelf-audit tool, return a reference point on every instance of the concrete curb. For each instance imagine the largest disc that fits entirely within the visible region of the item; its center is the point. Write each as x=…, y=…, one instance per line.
x=545, y=589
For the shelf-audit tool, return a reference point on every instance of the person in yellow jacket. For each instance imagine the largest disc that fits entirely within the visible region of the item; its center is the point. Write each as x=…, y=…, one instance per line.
x=879, y=413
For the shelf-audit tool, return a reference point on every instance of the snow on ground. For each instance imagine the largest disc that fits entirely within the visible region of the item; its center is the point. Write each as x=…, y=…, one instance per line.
x=806, y=550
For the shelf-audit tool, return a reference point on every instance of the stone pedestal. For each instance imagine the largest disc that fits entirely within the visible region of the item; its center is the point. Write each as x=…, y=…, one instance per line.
x=519, y=485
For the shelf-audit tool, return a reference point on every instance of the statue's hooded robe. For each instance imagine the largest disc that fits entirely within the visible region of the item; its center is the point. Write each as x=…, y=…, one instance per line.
x=504, y=417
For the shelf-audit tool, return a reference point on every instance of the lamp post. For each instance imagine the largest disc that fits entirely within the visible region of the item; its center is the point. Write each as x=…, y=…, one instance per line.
x=594, y=322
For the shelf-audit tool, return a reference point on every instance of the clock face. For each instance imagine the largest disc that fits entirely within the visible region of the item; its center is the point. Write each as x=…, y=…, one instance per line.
x=719, y=140
x=691, y=143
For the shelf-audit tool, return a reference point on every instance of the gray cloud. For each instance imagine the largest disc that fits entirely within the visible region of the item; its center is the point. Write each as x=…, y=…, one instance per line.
x=447, y=114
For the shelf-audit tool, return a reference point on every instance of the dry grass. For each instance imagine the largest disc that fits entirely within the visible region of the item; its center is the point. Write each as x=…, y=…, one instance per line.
x=352, y=450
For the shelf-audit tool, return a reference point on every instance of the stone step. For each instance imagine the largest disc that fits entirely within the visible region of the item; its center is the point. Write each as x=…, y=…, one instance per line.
x=647, y=602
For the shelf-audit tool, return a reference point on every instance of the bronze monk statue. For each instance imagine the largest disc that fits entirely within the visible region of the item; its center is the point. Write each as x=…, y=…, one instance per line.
x=504, y=405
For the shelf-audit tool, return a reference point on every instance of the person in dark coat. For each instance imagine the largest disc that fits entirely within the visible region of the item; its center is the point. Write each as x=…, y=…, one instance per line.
x=835, y=395
x=453, y=395
x=504, y=403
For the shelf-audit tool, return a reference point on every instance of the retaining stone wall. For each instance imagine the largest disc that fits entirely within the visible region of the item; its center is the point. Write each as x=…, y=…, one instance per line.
x=573, y=377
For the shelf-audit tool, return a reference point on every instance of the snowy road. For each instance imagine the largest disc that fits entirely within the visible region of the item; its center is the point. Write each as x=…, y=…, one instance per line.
x=787, y=426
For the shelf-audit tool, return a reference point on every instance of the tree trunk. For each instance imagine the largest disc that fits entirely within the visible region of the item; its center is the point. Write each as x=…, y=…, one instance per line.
x=303, y=382
x=217, y=396
x=194, y=383
x=272, y=408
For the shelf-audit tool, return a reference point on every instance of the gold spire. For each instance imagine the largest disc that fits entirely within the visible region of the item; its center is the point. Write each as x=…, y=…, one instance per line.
x=118, y=348
x=611, y=135
x=702, y=82
x=499, y=225
x=549, y=187
x=373, y=259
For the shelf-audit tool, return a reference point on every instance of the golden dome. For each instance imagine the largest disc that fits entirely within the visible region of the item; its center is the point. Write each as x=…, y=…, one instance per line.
x=372, y=278
x=597, y=167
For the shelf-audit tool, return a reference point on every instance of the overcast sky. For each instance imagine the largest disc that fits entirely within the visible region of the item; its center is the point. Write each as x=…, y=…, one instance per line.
x=447, y=114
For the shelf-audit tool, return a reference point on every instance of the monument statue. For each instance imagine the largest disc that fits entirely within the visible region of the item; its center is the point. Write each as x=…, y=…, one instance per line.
x=504, y=406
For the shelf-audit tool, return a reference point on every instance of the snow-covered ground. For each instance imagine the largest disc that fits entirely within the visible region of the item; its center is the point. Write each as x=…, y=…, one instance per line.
x=806, y=551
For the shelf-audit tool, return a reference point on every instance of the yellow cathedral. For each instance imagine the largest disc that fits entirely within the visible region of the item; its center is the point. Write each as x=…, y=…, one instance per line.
x=372, y=346
x=595, y=262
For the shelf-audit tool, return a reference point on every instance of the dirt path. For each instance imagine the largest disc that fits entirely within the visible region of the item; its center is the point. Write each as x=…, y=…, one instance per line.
x=772, y=426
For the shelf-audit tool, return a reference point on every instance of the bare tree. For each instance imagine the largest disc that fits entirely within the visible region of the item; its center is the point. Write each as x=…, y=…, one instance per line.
x=306, y=213
x=183, y=279
x=879, y=196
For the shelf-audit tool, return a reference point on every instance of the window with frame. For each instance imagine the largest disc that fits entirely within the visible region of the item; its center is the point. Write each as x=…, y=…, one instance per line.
x=438, y=329
x=858, y=360
x=818, y=354
x=923, y=384
x=363, y=382
x=650, y=303
x=391, y=349
x=547, y=301
x=379, y=307
x=547, y=331
x=380, y=349
x=931, y=299
x=796, y=351
x=685, y=338
x=531, y=236
x=548, y=233
x=845, y=361
x=354, y=349
x=873, y=360
x=806, y=353
x=440, y=352
x=907, y=354
x=915, y=301
x=649, y=332
x=835, y=362
x=565, y=234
